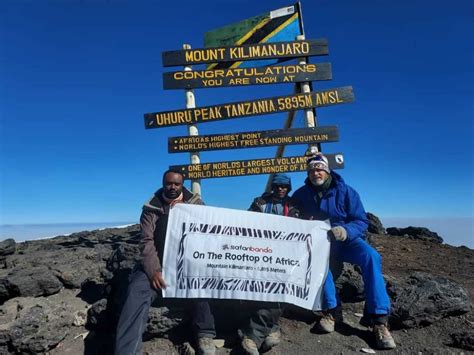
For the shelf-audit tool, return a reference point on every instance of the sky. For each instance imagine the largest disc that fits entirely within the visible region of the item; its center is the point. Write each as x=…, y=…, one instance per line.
x=76, y=78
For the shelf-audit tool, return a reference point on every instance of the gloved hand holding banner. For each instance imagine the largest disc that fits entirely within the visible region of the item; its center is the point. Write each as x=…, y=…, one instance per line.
x=215, y=252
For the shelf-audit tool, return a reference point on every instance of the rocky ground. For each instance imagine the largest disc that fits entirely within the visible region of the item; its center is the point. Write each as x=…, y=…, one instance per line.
x=63, y=295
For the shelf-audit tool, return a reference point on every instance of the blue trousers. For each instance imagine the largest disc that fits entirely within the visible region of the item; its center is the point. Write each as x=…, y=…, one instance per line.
x=360, y=253
x=134, y=315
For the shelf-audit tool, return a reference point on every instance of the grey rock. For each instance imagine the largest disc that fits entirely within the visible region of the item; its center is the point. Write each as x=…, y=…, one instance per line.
x=463, y=339
x=123, y=258
x=33, y=333
x=119, y=266
x=4, y=341
x=422, y=299
x=349, y=283
x=35, y=281
x=34, y=325
x=97, y=314
x=4, y=290
x=163, y=319
x=86, y=265
x=7, y=247
x=416, y=233
x=375, y=225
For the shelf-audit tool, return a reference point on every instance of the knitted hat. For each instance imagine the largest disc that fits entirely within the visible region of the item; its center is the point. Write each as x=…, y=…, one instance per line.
x=282, y=179
x=319, y=162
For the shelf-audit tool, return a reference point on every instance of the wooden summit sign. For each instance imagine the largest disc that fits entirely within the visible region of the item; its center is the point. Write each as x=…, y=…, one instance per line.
x=253, y=139
x=292, y=49
x=252, y=167
x=246, y=76
x=249, y=108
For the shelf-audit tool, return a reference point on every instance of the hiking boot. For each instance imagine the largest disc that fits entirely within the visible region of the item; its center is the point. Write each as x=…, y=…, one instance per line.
x=383, y=338
x=206, y=346
x=249, y=346
x=326, y=323
x=271, y=340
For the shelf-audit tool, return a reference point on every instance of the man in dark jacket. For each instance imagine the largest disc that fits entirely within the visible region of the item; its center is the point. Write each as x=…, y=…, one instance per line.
x=276, y=201
x=147, y=280
x=325, y=195
x=262, y=329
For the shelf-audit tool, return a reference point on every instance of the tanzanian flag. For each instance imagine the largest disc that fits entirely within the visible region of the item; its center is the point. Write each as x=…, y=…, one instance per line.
x=275, y=26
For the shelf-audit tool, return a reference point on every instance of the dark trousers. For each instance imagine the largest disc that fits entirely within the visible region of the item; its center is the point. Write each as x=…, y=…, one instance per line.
x=134, y=315
x=263, y=320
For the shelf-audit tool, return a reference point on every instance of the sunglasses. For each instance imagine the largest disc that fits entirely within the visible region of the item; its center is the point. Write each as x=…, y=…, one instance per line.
x=278, y=186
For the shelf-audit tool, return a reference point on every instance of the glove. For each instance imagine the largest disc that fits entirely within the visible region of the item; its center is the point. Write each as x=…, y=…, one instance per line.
x=338, y=233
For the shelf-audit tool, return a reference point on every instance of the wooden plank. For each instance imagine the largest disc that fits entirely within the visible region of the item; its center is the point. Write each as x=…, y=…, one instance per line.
x=257, y=51
x=253, y=167
x=249, y=108
x=253, y=139
x=246, y=76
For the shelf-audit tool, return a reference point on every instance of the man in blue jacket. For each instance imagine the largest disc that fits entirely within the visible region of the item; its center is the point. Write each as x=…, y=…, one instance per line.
x=325, y=195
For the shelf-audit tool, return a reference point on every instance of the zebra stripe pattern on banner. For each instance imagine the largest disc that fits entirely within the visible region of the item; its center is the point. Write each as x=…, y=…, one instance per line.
x=229, y=284
x=233, y=284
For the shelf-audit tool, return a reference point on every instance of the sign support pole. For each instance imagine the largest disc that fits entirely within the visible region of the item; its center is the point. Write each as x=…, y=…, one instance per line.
x=310, y=120
x=192, y=131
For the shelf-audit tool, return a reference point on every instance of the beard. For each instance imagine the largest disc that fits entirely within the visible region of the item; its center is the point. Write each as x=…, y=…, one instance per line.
x=318, y=182
x=172, y=193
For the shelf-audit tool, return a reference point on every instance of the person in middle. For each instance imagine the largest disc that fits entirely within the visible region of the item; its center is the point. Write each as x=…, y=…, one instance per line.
x=262, y=329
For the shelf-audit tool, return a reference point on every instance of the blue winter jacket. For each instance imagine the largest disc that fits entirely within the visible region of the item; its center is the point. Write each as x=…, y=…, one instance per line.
x=340, y=204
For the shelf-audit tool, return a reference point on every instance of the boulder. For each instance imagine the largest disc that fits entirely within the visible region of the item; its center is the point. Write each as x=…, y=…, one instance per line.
x=4, y=290
x=463, y=339
x=97, y=314
x=416, y=233
x=349, y=284
x=35, y=333
x=7, y=247
x=87, y=264
x=375, y=225
x=124, y=257
x=161, y=320
x=35, y=281
x=4, y=341
x=34, y=325
x=422, y=299
x=119, y=266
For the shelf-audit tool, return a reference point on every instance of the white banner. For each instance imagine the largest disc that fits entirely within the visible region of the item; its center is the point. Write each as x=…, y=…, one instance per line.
x=215, y=252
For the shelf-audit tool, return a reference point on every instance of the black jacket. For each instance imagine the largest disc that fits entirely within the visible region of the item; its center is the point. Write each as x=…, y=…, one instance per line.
x=260, y=203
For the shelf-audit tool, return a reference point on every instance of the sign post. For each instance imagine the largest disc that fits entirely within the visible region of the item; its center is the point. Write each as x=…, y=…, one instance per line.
x=250, y=53
x=192, y=130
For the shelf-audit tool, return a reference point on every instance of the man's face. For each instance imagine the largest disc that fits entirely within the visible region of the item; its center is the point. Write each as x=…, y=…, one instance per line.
x=317, y=176
x=280, y=191
x=173, y=185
